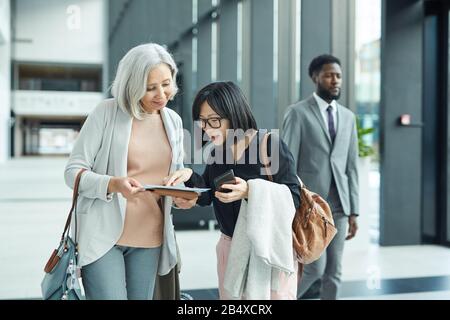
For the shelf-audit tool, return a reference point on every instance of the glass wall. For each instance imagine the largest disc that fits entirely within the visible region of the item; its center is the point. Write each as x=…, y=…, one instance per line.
x=226, y=38
x=367, y=100
x=367, y=69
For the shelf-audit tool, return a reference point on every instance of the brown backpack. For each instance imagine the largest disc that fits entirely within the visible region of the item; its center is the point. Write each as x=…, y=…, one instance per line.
x=313, y=225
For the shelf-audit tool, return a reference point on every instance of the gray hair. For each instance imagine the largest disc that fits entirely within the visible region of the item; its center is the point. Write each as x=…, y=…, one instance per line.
x=130, y=84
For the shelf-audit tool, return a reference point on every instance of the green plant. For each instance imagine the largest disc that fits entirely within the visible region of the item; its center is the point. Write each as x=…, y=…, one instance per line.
x=365, y=150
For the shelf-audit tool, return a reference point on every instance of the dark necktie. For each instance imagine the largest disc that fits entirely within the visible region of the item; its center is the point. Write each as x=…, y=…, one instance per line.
x=331, y=128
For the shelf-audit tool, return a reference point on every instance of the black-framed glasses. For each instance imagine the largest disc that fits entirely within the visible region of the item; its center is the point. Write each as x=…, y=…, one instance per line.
x=214, y=122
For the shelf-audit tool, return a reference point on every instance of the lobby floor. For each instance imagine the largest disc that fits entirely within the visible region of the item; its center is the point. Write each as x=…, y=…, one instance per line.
x=34, y=203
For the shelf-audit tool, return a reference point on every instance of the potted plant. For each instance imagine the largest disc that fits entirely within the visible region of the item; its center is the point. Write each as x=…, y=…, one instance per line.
x=365, y=152
x=364, y=149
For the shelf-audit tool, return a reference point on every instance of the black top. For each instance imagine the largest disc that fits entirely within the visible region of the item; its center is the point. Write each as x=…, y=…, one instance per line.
x=227, y=213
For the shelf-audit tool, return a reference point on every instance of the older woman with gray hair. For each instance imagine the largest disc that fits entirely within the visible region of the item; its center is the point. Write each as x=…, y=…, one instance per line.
x=125, y=234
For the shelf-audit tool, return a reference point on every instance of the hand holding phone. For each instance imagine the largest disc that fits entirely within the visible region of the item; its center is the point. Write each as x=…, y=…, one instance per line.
x=239, y=191
x=226, y=178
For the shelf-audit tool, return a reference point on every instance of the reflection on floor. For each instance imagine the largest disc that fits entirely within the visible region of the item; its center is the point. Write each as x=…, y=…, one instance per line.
x=409, y=288
x=369, y=272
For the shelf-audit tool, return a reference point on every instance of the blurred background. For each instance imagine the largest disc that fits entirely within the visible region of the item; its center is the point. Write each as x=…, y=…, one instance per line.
x=59, y=57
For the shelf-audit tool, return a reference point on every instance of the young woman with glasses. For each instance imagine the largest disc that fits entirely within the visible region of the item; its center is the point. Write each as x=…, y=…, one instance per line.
x=223, y=112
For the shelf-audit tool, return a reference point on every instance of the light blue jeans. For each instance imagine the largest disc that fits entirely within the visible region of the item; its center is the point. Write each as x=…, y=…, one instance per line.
x=123, y=273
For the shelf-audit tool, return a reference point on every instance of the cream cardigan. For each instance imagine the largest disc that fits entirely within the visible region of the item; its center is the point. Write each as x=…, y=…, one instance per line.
x=102, y=149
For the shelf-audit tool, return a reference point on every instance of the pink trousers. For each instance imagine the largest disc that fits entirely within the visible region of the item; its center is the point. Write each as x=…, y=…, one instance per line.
x=287, y=287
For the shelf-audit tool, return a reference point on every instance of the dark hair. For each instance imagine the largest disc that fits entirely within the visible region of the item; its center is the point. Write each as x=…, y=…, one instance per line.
x=228, y=101
x=318, y=62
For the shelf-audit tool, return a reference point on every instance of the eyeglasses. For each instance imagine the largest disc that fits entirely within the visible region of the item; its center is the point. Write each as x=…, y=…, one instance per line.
x=214, y=123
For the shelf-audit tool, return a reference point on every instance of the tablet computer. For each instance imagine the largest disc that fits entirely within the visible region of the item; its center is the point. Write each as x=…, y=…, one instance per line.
x=176, y=191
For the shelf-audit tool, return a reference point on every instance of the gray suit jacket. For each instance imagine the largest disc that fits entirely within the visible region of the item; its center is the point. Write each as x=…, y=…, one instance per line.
x=317, y=159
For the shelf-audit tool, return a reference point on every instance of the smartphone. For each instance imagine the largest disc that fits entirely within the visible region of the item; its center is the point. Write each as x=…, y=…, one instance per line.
x=226, y=178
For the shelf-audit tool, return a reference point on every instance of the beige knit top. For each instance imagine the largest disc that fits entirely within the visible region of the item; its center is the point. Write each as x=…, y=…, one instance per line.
x=149, y=159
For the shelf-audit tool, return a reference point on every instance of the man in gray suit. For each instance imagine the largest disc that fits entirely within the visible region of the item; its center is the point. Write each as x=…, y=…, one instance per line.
x=322, y=136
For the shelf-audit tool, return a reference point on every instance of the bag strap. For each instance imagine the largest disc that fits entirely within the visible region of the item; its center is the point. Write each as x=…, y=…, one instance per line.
x=74, y=205
x=264, y=155
x=301, y=267
x=302, y=185
x=265, y=159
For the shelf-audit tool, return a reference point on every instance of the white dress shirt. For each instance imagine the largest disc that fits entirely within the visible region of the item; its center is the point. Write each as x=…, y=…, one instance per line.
x=323, y=106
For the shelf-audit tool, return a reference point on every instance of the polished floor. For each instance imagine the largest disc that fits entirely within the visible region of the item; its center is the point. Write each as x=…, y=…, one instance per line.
x=34, y=203
x=373, y=272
